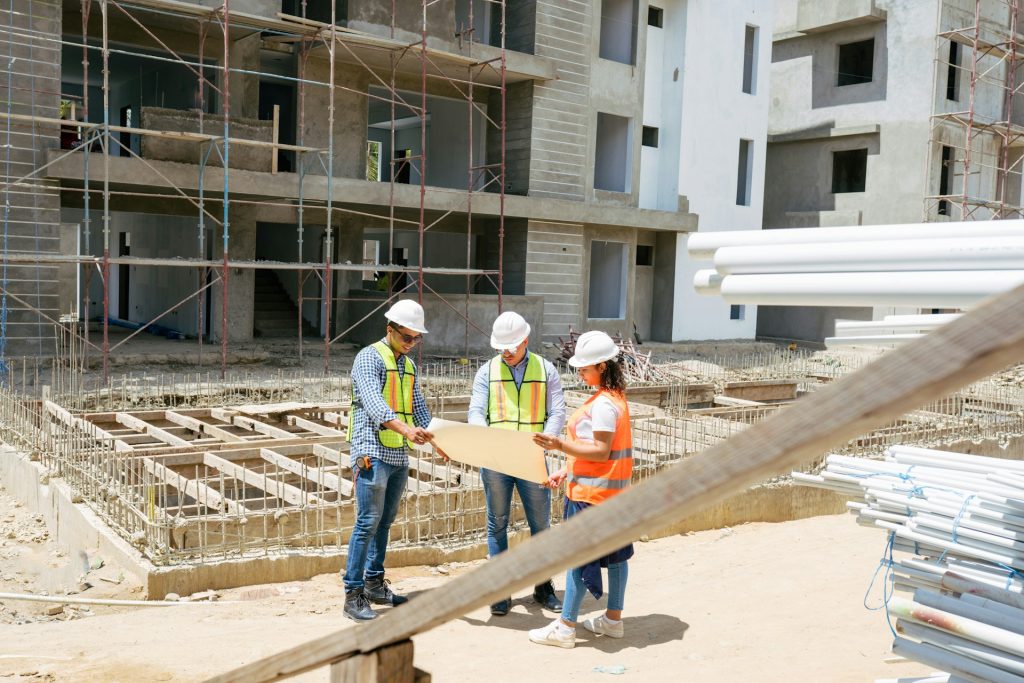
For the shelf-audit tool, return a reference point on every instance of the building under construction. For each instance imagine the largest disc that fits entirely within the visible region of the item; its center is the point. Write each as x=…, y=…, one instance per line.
x=262, y=168
x=887, y=112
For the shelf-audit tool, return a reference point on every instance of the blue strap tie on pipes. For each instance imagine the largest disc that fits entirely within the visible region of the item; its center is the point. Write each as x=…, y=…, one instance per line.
x=885, y=565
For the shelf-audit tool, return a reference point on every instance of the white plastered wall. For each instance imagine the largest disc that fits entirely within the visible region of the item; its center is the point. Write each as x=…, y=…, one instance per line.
x=703, y=114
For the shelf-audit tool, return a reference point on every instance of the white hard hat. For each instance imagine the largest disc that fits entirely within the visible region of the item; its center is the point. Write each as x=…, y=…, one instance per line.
x=509, y=331
x=593, y=347
x=407, y=313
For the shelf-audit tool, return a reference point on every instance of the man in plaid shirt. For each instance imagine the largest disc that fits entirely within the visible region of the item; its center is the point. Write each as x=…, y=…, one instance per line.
x=388, y=414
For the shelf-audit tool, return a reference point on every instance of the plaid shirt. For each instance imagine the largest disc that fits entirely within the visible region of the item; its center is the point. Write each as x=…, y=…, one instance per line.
x=368, y=376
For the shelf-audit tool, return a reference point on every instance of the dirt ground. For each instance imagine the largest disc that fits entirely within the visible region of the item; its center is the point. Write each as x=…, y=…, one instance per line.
x=768, y=602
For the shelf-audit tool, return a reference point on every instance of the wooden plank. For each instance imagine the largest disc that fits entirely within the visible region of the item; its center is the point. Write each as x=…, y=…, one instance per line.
x=327, y=452
x=262, y=427
x=731, y=401
x=286, y=492
x=192, y=488
x=132, y=422
x=201, y=427
x=980, y=342
x=316, y=475
x=391, y=664
x=88, y=427
x=313, y=427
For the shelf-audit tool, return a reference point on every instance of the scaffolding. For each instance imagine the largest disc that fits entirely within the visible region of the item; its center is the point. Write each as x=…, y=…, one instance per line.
x=388, y=63
x=976, y=152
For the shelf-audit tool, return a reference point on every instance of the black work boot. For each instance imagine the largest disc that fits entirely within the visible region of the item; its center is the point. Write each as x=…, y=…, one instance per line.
x=357, y=607
x=545, y=596
x=501, y=608
x=379, y=592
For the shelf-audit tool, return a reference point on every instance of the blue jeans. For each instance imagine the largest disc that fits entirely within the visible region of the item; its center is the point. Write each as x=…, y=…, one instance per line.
x=498, y=495
x=378, y=493
x=618, y=572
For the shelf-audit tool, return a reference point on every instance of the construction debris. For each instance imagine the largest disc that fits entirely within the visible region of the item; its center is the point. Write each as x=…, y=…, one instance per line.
x=636, y=365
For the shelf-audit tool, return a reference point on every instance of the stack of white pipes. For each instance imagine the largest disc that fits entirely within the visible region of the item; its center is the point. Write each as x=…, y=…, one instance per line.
x=893, y=330
x=933, y=265
x=962, y=518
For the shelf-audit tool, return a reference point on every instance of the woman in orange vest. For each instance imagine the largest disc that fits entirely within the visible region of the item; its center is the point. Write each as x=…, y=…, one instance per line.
x=599, y=467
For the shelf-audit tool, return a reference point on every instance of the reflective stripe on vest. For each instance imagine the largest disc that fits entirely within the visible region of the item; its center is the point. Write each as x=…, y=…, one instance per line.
x=524, y=408
x=397, y=393
x=594, y=482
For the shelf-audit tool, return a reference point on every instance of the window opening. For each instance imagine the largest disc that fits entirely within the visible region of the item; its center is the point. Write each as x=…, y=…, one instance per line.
x=607, y=280
x=744, y=172
x=849, y=170
x=650, y=136
x=611, y=153
x=856, y=62
x=749, y=59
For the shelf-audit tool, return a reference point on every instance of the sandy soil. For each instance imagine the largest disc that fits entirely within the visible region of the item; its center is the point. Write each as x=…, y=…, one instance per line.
x=767, y=602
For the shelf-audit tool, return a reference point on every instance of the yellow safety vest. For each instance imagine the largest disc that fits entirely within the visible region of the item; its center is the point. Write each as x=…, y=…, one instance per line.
x=397, y=393
x=524, y=408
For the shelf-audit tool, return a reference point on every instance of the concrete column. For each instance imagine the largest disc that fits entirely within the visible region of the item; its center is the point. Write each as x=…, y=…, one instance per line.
x=663, y=301
x=241, y=281
x=244, y=53
x=348, y=236
x=350, y=116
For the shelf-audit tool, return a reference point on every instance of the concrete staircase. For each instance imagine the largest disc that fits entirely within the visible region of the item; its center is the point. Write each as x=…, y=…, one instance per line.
x=276, y=315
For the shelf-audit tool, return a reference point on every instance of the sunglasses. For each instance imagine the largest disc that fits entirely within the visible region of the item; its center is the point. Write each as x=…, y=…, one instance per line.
x=409, y=338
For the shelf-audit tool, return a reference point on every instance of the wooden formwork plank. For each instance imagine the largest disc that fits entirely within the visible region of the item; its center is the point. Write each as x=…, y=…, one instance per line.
x=286, y=492
x=261, y=427
x=316, y=475
x=982, y=341
x=331, y=454
x=200, y=427
x=190, y=487
x=732, y=401
x=88, y=427
x=313, y=427
x=132, y=422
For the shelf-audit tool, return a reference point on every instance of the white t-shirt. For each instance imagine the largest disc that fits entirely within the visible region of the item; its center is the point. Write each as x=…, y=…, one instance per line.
x=604, y=415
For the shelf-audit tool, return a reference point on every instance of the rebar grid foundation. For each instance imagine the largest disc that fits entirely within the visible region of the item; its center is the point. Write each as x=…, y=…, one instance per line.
x=188, y=481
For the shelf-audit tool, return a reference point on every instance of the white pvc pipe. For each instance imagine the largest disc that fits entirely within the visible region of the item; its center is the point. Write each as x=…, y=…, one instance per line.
x=902, y=323
x=71, y=600
x=708, y=281
x=962, y=646
x=954, y=663
x=926, y=289
x=966, y=610
x=923, y=317
x=974, y=253
x=871, y=340
x=702, y=245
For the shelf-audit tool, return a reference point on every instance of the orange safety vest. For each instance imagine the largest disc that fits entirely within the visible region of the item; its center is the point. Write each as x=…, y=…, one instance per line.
x=595, y=482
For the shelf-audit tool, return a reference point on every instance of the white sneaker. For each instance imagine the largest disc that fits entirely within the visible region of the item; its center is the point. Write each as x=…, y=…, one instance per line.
x=554, y=634
x=602, y=627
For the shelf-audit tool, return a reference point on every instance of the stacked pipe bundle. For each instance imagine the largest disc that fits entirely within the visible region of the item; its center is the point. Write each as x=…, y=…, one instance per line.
x=935, y=265
x=961, y=517
x=893, y=330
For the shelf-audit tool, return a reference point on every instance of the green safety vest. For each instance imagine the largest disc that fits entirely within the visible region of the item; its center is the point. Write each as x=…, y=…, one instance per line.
x=397, y=394
x=524, y=408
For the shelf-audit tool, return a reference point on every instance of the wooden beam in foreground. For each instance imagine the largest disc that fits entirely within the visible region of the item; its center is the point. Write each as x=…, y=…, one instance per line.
x=977, y=344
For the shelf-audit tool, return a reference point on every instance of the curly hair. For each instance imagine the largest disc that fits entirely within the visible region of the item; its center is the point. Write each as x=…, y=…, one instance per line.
x=612, y=378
